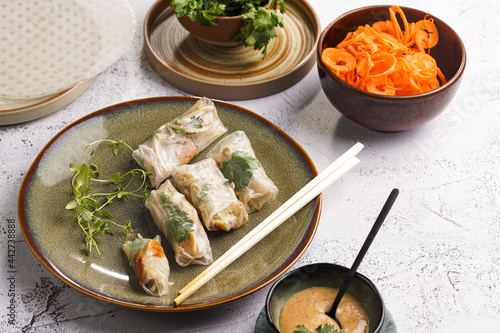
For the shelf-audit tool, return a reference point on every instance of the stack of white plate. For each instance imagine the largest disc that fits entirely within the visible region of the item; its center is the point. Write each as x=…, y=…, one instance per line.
x=50, y=51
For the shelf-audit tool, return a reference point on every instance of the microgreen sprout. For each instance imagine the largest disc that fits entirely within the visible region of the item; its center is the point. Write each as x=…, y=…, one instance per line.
x=90, y=208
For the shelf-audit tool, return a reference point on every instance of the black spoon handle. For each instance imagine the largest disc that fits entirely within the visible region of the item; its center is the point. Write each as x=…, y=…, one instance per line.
x=373, y=232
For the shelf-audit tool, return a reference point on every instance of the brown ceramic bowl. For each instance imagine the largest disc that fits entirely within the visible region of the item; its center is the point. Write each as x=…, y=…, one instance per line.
x=391, y=113
x=227, y=28
x=325, y=275
x=223, y=34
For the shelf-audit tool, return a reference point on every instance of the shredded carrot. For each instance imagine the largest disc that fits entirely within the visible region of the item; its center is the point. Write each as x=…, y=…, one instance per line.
x=387, y=58
x=339, y=61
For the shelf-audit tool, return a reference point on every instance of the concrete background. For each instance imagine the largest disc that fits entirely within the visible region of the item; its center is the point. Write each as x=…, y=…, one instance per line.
x=436, y=259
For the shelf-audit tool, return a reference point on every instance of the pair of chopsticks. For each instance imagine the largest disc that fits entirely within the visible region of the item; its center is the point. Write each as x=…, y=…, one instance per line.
x=319, y=183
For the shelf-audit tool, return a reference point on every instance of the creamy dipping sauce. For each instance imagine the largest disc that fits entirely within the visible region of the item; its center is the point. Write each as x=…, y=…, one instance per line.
x=308, y=307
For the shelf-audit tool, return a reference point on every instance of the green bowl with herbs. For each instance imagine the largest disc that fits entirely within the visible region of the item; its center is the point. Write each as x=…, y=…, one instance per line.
x=251, y=23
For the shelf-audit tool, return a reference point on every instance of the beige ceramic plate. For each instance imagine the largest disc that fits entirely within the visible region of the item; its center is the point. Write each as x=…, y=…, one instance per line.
x=19, y=111
x=231, y=73
x=55, y=238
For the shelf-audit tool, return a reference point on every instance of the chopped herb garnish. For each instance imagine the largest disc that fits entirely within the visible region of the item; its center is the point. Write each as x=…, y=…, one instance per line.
x=175, y=121
x=89, y=207
x=238, y=169
x=195, y=122
x=178, y=225
x=151, y=135
x=327, y=328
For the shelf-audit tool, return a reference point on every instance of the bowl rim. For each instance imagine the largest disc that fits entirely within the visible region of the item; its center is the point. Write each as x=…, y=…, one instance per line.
x=455, y=78
x=330, y=266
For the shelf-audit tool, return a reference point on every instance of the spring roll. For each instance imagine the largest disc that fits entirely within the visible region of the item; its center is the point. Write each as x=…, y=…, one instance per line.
x=236, y=159
x=179, y=140
x=150, y=264
x=213, y=196
x=178, y=220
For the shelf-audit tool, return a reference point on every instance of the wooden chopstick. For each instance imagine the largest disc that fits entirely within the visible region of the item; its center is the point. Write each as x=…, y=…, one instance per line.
x=353, y=151
x=333, y=172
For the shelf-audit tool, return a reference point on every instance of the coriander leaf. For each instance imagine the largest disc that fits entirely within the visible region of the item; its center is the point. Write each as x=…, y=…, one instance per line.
x=259, y=28
x=238, y=169
x=202, y=10
x=301, y=329
x=178, y=225
x=281, y=4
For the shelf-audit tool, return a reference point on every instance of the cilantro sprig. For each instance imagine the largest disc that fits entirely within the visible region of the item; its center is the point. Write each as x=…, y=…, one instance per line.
x=238, y=169
x=90, y=208
x=259, y=22
x=327, y=328
x=258, y=29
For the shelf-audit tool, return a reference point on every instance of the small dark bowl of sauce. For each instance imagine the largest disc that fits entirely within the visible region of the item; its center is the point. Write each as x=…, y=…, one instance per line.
x=301, y=297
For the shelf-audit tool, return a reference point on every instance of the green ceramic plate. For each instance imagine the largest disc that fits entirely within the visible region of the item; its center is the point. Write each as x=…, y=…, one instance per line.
x=54, y=236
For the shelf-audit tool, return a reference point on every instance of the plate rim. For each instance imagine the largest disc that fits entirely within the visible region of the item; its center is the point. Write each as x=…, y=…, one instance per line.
x=45, y=107
x=232, y=91
x=272, y=276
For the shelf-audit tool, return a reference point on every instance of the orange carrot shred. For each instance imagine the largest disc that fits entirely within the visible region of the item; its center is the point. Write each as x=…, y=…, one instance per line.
x=426, y=35
x=339, y=61
x=388, y=58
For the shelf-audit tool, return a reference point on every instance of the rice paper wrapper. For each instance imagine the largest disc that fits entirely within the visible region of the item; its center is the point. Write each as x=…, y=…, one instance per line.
x=178, y=220
x=236, y=158
x=205, y=187
x=150, y=264
x=179, y=140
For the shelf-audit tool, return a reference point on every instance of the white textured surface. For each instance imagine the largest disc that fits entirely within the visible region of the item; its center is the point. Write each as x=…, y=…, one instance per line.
x=436, y=259
x=47, y=46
